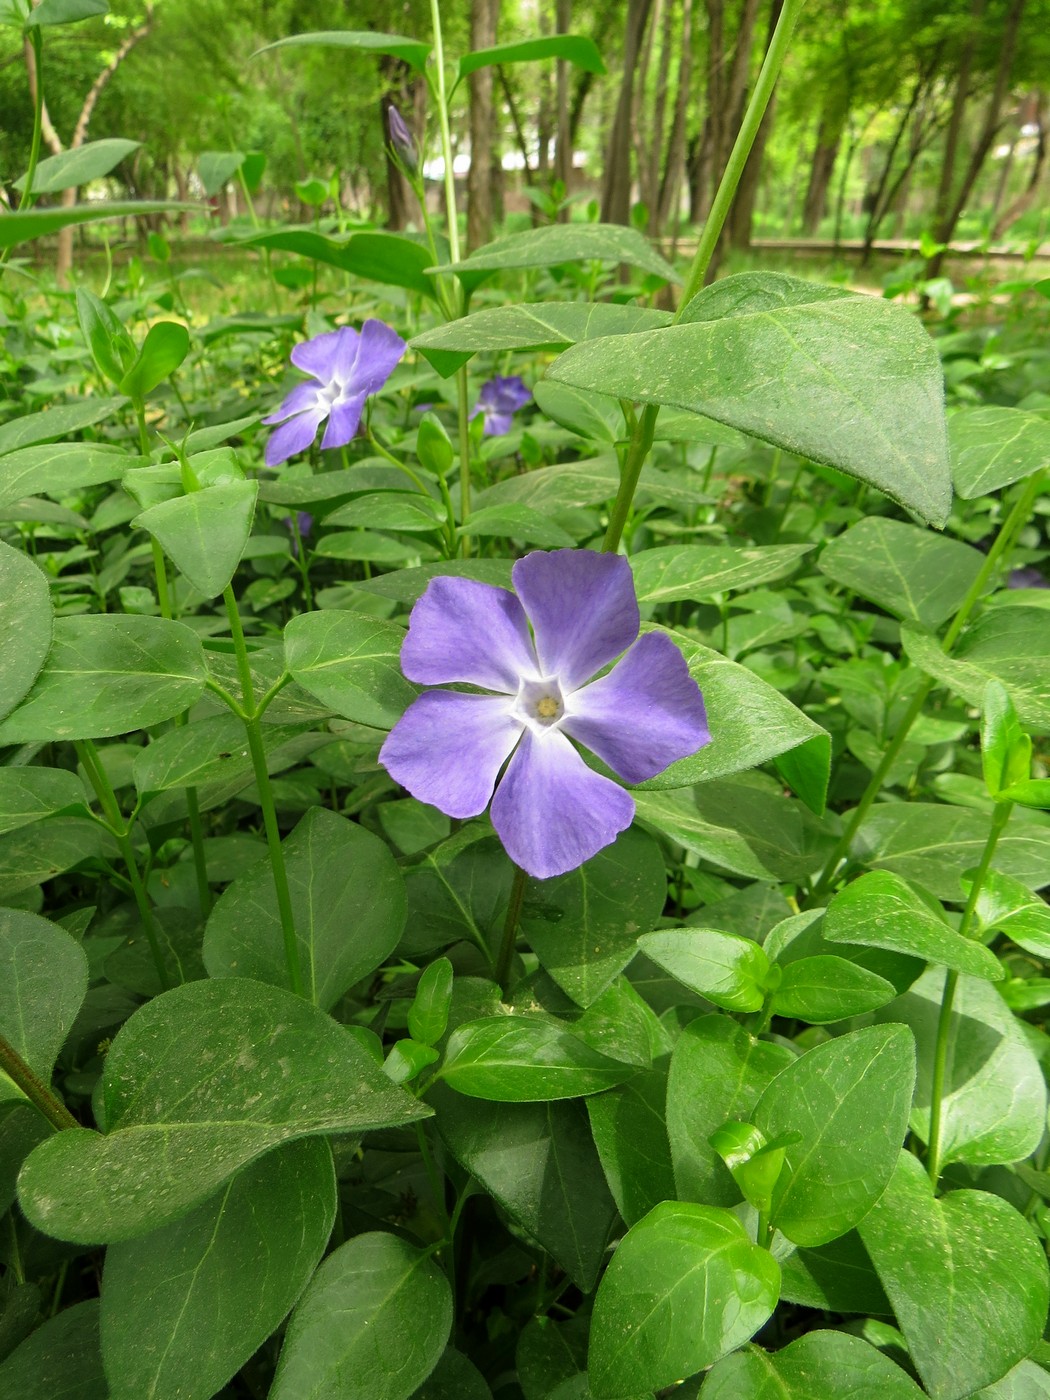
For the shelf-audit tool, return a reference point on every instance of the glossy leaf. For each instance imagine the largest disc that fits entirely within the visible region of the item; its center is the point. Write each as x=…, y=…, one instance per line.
x=25, y=625
x=693, y=572
x=825, y=989
x=819, y=1366
x=348, y=902
x=835, y=1277
x=183, y=1308
x=213, y=750
x=966, y=1277
x=631, y=1138
x=393, y=259
x=43, y=979
x=653, y=1323
x=428, y=1014
x=1011, y=908
x=198, y=1083
x=58, y=469
x=1006, y=750
x=23, y=227
x=79, y=166
x=563, y=243
x=107, y=675
x=350, y=662
x=204, y=533
x=849, y=1099
x=61, y=1360
x=37, y=852
x=1011, y=645
x=51, y=423
x=866, y=390
x=993, y=446
x=525, y=1059
x=165, y=347
x=29, y=794
x=724, y=968
x=65, y=11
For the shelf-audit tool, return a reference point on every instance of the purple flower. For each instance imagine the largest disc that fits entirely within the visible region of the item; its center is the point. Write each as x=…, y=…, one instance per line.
x=550, y=810
x=401, y=138
x=499, y=400
x=346, y=366
x=1028, y=577
x=305, y=522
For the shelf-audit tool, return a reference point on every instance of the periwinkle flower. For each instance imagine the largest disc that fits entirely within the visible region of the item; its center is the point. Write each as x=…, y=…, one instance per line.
x=1028, y=577
x=499, y=400
x=345, y=367
x=551, y=811
x=401, y=138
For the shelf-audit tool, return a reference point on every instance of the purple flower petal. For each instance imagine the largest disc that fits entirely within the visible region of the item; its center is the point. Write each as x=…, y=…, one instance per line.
x=342, y=421
x=582, y=608
x=321, y=355
x=294, y=436
x=378, y=354
x=552, y=812
x=496, y=424
x=301, y=399
x=462, y=630
x=447, y=749
x=646, y=713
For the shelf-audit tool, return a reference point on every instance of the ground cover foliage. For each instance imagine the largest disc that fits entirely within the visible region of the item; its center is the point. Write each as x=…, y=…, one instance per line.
x=305, y=1090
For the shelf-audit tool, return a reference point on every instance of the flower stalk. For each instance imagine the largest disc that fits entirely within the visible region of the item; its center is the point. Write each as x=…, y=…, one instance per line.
x=35, y=1090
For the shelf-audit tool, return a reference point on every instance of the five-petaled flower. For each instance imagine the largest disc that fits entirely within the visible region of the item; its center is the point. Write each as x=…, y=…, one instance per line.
x=551, y=811
x=346, y=366
x=499, y=400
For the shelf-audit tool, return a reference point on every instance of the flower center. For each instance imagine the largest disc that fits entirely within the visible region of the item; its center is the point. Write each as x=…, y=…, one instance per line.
x=540, y=704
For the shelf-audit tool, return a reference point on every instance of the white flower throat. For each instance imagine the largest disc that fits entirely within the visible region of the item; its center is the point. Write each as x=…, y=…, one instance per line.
x=540, y=704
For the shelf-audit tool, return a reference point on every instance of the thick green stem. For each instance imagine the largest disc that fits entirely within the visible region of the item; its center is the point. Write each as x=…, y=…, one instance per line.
x=944, y=1021
x=250, y=713
x=501, y=971
x=35, y=1090
x=1003, y=543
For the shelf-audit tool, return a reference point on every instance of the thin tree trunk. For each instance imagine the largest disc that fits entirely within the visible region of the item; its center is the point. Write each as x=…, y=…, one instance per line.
x=674, y=161
x=742, y=214
x=822, y=166
x=616, y=188
x=1024, y=201
x=879, y=202
x=563, y=146
x=484, y=18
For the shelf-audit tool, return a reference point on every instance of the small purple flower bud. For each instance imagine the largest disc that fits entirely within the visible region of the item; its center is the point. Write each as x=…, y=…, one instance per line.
x=401, y=138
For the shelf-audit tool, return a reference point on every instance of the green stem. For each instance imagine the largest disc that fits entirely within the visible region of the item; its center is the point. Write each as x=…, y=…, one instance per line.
x=250, y=713
x=446, y=136
x=727, y=186
x=1003, y=543
x=940, y=1054
x=200, y=864
x=501, y=971
x=36, y=40
x=463, y=409
x=637, y=451
x=35, y=1090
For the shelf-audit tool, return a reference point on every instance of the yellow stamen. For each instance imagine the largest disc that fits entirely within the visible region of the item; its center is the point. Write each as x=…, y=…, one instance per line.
x=547, y=708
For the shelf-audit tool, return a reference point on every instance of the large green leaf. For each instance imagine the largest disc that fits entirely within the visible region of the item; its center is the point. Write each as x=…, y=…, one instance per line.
x=56, y=422
x=79, y=166
x=693, y=572
x=22, y=227
x=212, y=750
x=29, y=794
x=532, y=326
x=391, y=258
x=65, y=11
x=25, y=626
x=993, y=446
x=819, y=1366
x=866, y=393
x=538, y=1161
x=60, y=1361
x=993, y=1101
x=1011, y=645
x=914, y=574
x=629, y=1133
x=348, y=899
x=107, y=675
x=849, y=1100
x=562, y=243
x=653, y=1319
x=43, y=979
x=37, y=852
x=350, y=662
x=184, y=1307
x=718, y=1073
x=880, y=910
x=166, y=345
x=198, y=1083
x=411, y=51
x=583, y=925
x=59, y=468
x=204, y=533
x=526, y=1059
x=966, y=1276
x=726, y=969
x=571, y=48
x=373, y=1322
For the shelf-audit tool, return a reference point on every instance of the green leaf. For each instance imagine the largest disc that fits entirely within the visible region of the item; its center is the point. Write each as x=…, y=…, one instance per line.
x=538, y=1161
x=40, y=223
x=111, y=346
x=212, y=750
x=414, y=52
x=819, y=1366
x=217, y=168
x=390, y=510
x=394, y=259
x=66, y=11
x=183, y=1308
x=350, y=662
x=37, y=852
x=1006, y=750
x=459, y=890
x=629, y=1133
x=200, y=1082
x=966, y=1277
x=849, y=1099
x=43, y=980
x=204, y=533
x=374, y=1321
x=1011, y=908
x=1011, y=645
x=453, y=1378
x=517, y=522
x=348, y=900
x=992, y=447
x=880, y=910
x=29, y=794
x=583, y=926
x=911, y=573
x=166, y=345
x=994, y=1098
x=834, y=1277
x=533, y=326
x=563, y=243
x=59, y=469
x=866, y=388
x=428, y=1014
x=25, y=626
x=572, y=48
x=108, y=675
x=60, y=1361
x=667, y=1268
x=1026, y=1381
x=78, y=167
x=824, y=989
x=751, y=723
x=525, y=1059
x=718, y=1073
x=728, y=970
x=694, y=572
x=50, y=423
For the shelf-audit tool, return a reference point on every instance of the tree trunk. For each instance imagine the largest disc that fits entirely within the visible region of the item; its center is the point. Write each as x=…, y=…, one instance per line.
x=484, y=18
x=674, y=161
x=742, y=214
x=563, y=147
x=822, y=167
x=616, y=188
x=1024, y=201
